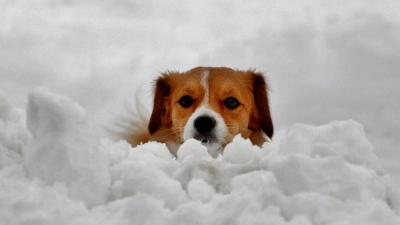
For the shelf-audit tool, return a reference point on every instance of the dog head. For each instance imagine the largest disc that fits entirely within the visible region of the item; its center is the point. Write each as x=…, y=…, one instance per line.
x=211, y=105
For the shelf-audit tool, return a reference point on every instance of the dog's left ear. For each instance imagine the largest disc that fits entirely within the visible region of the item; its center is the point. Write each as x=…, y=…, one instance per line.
x=261, y=116
x=160, y=115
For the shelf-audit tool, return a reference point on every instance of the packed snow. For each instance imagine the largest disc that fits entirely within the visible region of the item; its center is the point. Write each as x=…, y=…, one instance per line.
x=325, y=60
x=328, y=62
x=57, y=170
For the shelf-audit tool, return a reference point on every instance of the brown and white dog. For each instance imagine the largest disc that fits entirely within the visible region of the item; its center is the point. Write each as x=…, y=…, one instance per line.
x=209, y=104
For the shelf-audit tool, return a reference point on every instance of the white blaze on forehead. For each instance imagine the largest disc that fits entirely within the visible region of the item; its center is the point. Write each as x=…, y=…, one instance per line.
x=204, y=83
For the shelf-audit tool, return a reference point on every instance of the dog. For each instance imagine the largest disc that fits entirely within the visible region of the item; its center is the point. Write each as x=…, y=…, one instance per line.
x=209, y=104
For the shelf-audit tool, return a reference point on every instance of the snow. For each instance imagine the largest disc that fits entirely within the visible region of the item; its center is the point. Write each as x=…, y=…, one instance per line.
x=64, y=148
x=329, y=64
x=57, y=170
x=13, y=134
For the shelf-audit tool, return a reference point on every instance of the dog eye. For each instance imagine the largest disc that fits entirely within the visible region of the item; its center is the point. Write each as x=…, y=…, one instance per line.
x=231, y=103
x=186, y=101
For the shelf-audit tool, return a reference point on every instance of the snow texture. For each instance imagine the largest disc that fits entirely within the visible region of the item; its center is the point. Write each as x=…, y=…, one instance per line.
x=64, y=148
x=325, y=61
x=63, y=173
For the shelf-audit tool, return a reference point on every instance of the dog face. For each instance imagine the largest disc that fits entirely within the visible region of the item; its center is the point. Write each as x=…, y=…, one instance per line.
x=211, y=105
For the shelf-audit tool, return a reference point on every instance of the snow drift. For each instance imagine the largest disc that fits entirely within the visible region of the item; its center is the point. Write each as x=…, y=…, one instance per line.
x=328, y=60
x=56, y=170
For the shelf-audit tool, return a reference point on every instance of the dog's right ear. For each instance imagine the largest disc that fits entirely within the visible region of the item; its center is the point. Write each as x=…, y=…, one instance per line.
x=161, y=112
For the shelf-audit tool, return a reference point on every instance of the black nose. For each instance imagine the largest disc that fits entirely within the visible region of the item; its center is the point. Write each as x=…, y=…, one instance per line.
x=204, y=124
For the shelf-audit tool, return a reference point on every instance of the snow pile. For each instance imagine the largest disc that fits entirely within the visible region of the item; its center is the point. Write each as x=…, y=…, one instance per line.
x=325, y=60
x=13, y=134
x=64, y=148
x=66, y=174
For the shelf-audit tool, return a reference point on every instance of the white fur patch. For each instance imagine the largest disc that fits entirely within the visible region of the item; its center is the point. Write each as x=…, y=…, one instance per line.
x=204, y=83
x=219, y=130
x=220, y=127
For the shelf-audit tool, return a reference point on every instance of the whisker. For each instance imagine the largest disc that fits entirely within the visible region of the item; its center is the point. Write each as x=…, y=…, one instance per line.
x=171, y=132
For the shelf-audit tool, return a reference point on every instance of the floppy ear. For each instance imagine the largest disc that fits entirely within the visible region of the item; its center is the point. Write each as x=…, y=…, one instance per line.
x=160, y=112
x=261, y=115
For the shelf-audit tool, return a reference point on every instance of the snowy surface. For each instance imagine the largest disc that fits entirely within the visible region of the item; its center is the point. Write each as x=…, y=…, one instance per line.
x=57, y=171
x=326, y=61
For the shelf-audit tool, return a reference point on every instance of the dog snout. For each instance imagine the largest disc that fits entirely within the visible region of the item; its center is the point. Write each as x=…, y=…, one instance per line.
x=204, y=124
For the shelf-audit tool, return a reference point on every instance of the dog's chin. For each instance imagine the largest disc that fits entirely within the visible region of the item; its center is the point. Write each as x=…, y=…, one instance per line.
x=214, y=148
x=213, y=145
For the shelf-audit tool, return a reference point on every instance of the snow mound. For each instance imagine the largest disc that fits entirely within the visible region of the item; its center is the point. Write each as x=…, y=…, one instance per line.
x=64, y=148
x=13, y=133
x=63, y=173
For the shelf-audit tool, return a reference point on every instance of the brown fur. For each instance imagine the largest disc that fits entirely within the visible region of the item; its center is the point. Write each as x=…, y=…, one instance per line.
x=252, y=119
